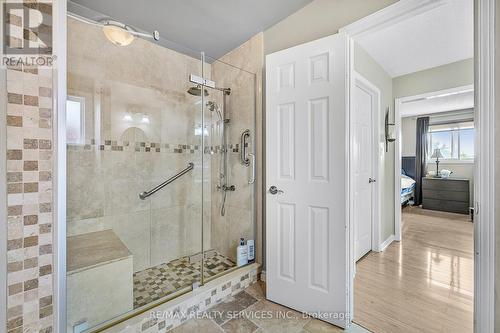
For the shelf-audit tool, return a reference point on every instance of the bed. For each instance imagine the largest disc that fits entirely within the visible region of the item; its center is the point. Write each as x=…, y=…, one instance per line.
x=407, y=189
x=407, y=179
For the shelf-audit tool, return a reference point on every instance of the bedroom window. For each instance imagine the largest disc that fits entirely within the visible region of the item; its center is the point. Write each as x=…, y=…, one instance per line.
x=456, y=140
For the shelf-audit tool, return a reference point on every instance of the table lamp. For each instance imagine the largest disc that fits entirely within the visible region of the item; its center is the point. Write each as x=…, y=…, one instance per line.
x=437, y=155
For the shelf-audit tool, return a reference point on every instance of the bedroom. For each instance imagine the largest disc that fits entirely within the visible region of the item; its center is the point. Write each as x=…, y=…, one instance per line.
x=419, y=74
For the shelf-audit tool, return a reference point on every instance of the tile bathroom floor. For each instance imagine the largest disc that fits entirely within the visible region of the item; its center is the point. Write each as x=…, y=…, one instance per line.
x=159, y=281
x=252, y=302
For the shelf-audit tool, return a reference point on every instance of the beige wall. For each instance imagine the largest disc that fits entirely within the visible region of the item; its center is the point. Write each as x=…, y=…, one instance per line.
x=320, y=18
x=452, y=75
x=408, y=136
x=373, y=72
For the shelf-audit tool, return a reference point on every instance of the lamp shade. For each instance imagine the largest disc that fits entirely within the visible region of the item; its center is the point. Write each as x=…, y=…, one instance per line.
x=437, y=153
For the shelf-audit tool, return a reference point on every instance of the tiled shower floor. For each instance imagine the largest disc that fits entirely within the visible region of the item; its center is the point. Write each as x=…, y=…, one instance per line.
x=159, y=281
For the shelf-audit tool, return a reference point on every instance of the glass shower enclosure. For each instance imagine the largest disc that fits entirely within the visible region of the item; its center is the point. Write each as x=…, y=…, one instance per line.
x=160, y=174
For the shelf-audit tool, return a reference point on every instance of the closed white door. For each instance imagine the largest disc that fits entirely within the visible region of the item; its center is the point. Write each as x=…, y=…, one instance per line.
x=362, y=169
x=307, y=180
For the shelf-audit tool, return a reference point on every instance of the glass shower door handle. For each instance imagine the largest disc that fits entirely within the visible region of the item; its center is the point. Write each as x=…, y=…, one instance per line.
x=252, y=178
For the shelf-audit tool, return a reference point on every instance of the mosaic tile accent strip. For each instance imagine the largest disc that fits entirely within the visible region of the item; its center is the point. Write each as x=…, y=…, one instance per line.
x=148, y=147
x=153, y=147
x=156, y=282
x=29, y=189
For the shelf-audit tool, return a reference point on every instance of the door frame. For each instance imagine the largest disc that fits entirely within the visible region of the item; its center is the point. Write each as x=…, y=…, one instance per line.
x=484, y=188
x=59, y=88
x=363, y=83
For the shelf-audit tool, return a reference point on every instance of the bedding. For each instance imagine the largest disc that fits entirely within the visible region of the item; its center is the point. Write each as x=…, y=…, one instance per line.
x=407, y=189
x=406, y=182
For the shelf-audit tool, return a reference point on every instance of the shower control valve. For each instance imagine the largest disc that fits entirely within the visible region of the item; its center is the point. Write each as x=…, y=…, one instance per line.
x=231, y=188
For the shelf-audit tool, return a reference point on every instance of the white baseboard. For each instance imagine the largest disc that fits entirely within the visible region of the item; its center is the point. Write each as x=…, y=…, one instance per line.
x=263, y=276
x=386, y=243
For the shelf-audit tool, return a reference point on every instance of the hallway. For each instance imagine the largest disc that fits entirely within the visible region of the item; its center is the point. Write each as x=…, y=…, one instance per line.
x=423, y=283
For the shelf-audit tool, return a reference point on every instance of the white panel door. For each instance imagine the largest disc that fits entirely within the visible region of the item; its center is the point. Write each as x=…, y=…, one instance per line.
x=362, y=170
x=306, y=214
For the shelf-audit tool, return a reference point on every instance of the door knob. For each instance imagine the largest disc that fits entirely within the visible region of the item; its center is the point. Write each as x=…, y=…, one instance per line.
x=274, y=190
x=371, y=180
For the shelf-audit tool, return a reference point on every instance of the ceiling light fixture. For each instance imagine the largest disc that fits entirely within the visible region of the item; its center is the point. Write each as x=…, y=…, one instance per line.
x=118, y=33
x=121, y=34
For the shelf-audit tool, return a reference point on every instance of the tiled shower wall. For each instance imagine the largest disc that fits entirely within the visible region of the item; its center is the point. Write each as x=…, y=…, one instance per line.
x=244, y=108
x=29, y=174
x=29, y=191
x=119, y=157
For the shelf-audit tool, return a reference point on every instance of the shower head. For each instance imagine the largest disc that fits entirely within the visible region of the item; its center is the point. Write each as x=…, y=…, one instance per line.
x=196, y=91
x=212, y=106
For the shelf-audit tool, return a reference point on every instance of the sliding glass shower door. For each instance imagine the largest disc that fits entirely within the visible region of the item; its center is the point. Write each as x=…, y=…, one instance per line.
x=160, y=174
x=132, y=125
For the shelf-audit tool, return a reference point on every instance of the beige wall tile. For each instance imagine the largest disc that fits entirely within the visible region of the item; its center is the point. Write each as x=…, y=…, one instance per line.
x=28, y=312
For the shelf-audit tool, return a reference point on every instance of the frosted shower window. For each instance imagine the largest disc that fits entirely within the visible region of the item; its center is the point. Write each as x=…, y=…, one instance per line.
x=75, y=115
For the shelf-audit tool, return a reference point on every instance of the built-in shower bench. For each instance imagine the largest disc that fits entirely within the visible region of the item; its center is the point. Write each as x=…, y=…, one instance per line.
x=94, y=249
x=99, y=278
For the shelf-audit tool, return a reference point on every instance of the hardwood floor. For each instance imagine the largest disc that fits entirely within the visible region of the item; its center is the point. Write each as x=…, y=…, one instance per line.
x=423, y=283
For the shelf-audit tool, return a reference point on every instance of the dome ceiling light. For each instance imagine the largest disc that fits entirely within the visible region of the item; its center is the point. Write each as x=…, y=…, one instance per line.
x=121, y=34
x=116, y=32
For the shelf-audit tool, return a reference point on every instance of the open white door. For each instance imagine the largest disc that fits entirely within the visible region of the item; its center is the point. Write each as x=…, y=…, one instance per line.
x=307, y=234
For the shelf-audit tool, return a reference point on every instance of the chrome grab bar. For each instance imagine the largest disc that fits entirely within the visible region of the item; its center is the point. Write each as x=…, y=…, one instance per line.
x=145, y=194
x=243, y=143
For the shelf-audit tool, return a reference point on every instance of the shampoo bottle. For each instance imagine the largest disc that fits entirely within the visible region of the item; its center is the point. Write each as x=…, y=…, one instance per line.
x=242, y=253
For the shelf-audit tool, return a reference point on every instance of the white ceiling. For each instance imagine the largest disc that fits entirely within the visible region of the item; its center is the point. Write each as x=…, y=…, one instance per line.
x=190, y=26
x=439, y=36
